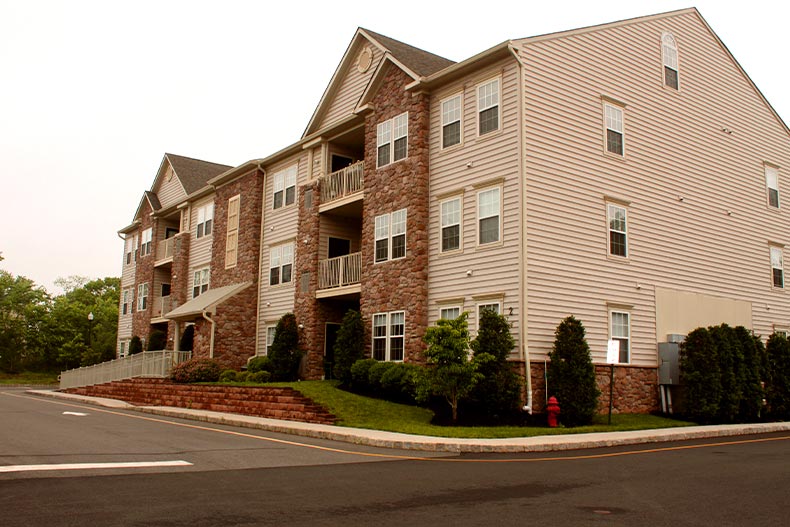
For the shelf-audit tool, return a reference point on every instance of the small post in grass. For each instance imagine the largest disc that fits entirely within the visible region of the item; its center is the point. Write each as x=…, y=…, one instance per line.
x=612, y=358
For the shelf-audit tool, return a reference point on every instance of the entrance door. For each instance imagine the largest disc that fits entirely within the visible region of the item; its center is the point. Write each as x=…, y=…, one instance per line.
x=329, y=348
x=338, y=247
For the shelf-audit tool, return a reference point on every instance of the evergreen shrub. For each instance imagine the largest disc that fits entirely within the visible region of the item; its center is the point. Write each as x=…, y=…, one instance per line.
x=349, y=346
x=285, y=354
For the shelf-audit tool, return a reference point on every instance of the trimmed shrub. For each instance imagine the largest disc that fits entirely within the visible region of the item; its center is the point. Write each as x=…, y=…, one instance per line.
x=228, y=376
x=376, y=372
x=135, y=345
x=349, y=346
x=360, y=373
x=259, y=376
x=701, y=377
x=399, y=382
x=157, y=340
x=571, y=374
x=285, y=354
x=257, y=364
x=730, y=355
x=196, y=370
x=777, y=385
x=752, y=394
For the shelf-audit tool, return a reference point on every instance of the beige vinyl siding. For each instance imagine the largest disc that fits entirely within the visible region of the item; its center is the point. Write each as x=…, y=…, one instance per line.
x=169, y=192
x=674, y=148
x=161, y=276
x=127, y=282
x=345, y=228
x=494, y=160
x=200, y=248
x=350, y=89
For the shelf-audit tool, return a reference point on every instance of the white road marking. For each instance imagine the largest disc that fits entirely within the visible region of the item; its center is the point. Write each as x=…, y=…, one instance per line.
x=88, y=466
x=80, y=414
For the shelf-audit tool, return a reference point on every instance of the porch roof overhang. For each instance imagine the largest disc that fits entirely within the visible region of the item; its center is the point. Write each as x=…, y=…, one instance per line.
x=206, y=302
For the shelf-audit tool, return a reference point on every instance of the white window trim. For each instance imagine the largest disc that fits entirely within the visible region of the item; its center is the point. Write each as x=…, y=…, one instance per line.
x=500, y=237
x=268, y=337
x=772, y=183
x=609, y=207
x=126, y=301
x=282, y=180
x=388, y=336
x=143, y=291
x=278, y=255
x=498, y=104
x=203, y=285
x=612, y=336
x=205, y=219
x=232, y=234
x=459, y=120
x=615, y=127
x=777, y=262
x=391, y=234
x=669, y=51
x=396, y=128
x=146, y=241
x=442, y=309
x=442, y=226
x=484, y=303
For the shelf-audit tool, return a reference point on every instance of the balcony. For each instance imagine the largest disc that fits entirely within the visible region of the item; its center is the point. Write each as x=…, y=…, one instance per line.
x=343, y=186
x=164, y=251
x=339, y=276
x=162, y=305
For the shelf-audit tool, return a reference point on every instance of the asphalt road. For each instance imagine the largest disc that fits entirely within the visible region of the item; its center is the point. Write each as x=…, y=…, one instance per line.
x=246, y=477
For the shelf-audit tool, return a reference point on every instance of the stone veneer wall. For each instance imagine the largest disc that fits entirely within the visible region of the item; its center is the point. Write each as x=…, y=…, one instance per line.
x=144, y=273
x=398, y=285
x=179, y=280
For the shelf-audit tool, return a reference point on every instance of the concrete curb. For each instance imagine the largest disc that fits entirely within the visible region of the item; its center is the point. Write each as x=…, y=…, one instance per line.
x=378, y=438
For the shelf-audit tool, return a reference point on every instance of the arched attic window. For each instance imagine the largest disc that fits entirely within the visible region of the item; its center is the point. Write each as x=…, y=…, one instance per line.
x=669, y=53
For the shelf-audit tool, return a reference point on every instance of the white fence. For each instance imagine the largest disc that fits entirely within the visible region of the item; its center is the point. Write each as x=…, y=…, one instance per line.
x=146, y=364
x=342, y=183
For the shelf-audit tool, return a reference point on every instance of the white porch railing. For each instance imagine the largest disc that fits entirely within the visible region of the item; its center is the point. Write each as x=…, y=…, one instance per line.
x=164, y=249
x=344, y=182
x=162, y=305
x=340, y=271
x=146, y=364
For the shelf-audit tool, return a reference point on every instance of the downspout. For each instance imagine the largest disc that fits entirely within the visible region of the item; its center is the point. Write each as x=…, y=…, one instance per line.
x=523, y=349
x=260, y=261
x=211, y=340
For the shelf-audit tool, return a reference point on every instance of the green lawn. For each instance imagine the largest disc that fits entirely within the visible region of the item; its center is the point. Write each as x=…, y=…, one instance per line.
x=28, y=378
x=366, y=412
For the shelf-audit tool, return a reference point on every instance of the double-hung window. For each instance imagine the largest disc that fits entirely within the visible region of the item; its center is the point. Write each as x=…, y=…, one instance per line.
x=232, y=236
x=620, y=324
x=669, y=52
x=615, y=135
x=390, y=233
x=488, y=107
x=126, y=303
x=451, y=121
x=451, y=224
x=269, y=338
x=281, y=259
x=205, y=220
x=618, y=230
x=450, y=312
x=488, y=215
x=388, y=335
x=131, y=245
x=777, y=267
x=392, y=140
x=142, y=297
x=200, y=282
x=284, y=187
x=145, y=241
x=772, y=185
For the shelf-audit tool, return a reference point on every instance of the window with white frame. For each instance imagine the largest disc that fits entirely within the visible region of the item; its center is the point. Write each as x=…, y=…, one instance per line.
x=284, y=187
x=780, y=332
x=232, y=235
x=613, y=115
x=496, y=307
x=669, y=52
x=145, y=242
x=449, y=312
x=142, y=297
x=451, y=224
x=777, y=267
x=200, y=281
x=126, y=302
x=281, y=259
x=390, y=233
x=122, y=349
x=269, y=338
x=618, y=230
x=451, y=121
x=131, y=245
x=392, y=140
x=488, y=215
x=620, y=323
x=772, y=185
x=205, y=220
x=388, y=335
x=488, y=107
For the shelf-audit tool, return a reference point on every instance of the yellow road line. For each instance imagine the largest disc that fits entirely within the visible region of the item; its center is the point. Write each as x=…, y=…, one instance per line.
x=402, y=457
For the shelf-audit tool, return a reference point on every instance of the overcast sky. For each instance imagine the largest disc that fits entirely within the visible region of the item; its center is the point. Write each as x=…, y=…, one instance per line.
x=93, y=93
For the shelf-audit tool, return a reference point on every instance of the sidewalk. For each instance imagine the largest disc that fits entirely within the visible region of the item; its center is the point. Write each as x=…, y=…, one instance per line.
x=395, y=440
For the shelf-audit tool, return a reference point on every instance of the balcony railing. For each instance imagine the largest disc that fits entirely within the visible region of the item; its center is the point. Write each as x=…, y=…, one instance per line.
x=164, y=249
x=146, y=364
x=342, y=183
x=162, y=305
x=340, y=271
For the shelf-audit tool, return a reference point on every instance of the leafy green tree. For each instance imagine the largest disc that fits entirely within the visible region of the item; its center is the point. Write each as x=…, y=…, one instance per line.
x=23, y=312
x=751, y=403
x=135, y=345
x=349, y=346
x=285, y=354
x=450, y=374
x=730, y=355
x=701, y=376
x=778, y=377
x=497, y=394
x=571, y=374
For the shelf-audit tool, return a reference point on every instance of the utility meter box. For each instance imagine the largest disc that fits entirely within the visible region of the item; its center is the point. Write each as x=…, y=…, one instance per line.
x=668, y=363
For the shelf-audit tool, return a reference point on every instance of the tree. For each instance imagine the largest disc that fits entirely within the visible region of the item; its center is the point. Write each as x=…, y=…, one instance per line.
x=778, y=377
x=571, y=374
x=752, y=392
x=701, y=376
x=349, y=346
x=23, y=311
x=135, y=345
x=496, y=395
x=450, y=373
x=730, y=355
x=157, y=340
x=285, y=353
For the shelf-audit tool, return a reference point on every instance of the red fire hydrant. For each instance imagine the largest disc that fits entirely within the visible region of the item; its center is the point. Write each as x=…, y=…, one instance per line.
x=552, y=411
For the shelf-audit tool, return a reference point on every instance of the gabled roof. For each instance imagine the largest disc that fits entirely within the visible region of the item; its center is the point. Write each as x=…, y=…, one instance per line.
x=421, y=62
x=194, y=173
x=205, y=302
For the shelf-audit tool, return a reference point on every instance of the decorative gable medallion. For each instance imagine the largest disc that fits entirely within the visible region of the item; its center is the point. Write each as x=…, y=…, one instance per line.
x=364, y=60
